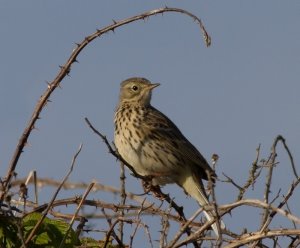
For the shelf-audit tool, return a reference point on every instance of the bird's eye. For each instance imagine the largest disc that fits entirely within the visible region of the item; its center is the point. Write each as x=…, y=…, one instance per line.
x=134, y=88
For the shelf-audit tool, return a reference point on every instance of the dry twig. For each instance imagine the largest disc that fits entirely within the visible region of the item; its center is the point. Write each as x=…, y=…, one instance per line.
x=32, y=233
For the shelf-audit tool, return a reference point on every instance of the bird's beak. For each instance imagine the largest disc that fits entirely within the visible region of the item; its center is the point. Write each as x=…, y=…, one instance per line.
x=152, y=86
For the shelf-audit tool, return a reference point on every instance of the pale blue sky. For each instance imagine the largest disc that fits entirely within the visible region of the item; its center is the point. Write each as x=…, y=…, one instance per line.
x=242, y=91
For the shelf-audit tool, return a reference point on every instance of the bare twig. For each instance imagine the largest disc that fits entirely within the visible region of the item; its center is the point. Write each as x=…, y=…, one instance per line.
x=281, y=204
x=23, y=190
x=156, y=191
x=138, y=223
x=42, y=182
x=165, y=229
x=80, y=226
x=258, y=204
x=76, y=213
x=111, y=150
x=290, y=155
x=196, y=235
x=134, y=233
x=267, y=218
x=184, y=227
x=112, y=230
x=257, y=236
x=228, y=208
x=230, y=180
x=270, y=163
x=123, y=199
x=149, y=209
x=253, y=175
x=32, y=233
x=109, y=232
x=289, y=210
x=295, y=242
x=215, y=206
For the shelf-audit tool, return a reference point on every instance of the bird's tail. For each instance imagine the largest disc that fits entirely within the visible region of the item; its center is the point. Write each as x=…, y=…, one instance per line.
x=196, y=190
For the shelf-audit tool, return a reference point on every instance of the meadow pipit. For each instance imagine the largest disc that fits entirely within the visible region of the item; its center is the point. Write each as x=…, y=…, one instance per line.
x=152, y=144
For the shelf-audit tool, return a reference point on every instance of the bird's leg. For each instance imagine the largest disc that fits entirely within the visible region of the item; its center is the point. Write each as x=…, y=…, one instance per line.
x=154, y=189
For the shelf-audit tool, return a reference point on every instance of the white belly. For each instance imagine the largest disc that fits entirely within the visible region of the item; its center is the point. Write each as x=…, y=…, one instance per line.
x=131, y=154
x=145, y=166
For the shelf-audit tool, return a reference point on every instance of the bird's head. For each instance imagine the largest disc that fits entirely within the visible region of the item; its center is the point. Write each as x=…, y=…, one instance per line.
x=136, y=90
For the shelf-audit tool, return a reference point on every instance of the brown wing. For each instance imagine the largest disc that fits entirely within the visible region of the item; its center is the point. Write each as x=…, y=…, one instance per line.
x=160, y=126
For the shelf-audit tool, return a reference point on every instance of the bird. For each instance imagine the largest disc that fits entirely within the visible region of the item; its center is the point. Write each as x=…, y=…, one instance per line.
x=155, y=147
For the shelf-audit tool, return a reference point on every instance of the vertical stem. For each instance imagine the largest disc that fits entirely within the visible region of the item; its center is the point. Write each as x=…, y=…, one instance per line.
x=123, y=200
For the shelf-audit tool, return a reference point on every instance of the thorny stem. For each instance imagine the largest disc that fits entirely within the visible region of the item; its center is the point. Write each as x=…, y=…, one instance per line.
x=123, y=199
x=34, y=230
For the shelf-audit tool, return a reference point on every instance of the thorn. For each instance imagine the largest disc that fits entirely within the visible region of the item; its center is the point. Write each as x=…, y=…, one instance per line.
x=35, y=128
x=68, y=71
x=114, y=21
x=49, y=85
x=77, y=44
x=28, y=144
x=48, y=100
x=76, y=61
x=61, y=67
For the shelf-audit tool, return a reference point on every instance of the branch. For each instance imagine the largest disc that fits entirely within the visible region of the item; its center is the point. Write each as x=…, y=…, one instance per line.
x=270, y=163
x=184, y=227
x=32, y=233
x=123, y=200
x=256, y=236
x=281, y=204
x=266, y=217
x=228, y=208
x=112, y=151
x=290, y=155
x=259, y=204
x=42, y=182
x=91, y=185
x=253, y=175
x=149, y=209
